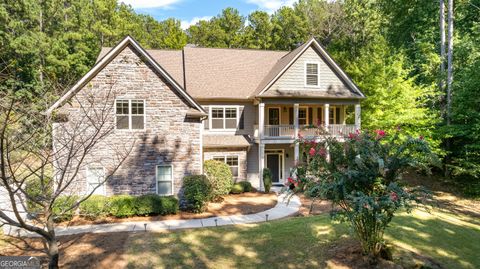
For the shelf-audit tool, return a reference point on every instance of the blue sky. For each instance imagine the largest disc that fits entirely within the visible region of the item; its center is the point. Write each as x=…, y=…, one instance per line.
x=191, y=11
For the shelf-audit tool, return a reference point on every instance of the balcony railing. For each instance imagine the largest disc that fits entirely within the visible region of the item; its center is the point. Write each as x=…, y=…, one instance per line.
x=288, y=131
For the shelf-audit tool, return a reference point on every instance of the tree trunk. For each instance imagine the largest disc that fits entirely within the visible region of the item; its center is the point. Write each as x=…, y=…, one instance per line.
x=442, y=53
x=53, y=253
x=450, y=61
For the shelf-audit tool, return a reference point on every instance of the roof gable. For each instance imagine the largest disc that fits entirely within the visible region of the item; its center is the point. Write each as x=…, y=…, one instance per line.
x=310, y=51
x=108, y=57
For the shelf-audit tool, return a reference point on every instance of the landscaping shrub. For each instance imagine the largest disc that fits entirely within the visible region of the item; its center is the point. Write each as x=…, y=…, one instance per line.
x=247, y=186
x=60, y=208
x=360, y=176
x=220, y=178
x=152, y=204
x=95, y=206
x=197, y=191
x=237, y=188
x=267, y=179
x=122, y=206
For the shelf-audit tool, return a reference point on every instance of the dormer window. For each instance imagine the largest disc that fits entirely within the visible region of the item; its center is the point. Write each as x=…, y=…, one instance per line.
x=311, y=74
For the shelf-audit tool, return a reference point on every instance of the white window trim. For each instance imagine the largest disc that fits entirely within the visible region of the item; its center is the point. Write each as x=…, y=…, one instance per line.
x=225, y=162
x=171, y=176
x=130, y=114
x=306, y=114
x=210, y=127
x=333, y=113
x=104, y=191
x=305, y=74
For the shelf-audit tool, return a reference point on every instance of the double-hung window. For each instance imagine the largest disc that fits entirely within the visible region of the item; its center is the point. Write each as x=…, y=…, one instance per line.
x=302, y=116
x=224, y=118
x=231, y=161
x=311, y=74
x=164, y=180
x=130, y=114
x=96, y=180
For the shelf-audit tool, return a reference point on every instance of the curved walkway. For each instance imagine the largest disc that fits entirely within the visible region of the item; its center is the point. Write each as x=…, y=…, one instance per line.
x=281, y=210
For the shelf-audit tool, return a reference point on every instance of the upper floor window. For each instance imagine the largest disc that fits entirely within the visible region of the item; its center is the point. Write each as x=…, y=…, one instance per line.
x=130, y=114
x=224, y=118
x=311, y=74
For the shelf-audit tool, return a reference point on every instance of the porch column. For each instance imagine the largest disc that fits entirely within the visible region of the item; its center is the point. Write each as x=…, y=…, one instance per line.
x=326, y=114
x=357, y=117
x=261, y=120
x=261, y=163
x=297, y=129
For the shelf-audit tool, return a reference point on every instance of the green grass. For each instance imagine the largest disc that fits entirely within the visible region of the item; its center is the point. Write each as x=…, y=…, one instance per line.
x=451, y=240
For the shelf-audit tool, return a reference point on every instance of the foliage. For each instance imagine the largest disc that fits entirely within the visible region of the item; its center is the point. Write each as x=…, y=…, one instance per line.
x=96, y=206
x=122, y=206
x=236, y=189
x=197, y=191
x=153, y=204
x=246, y=185
x=62, y=208
x=267, y=179
x=360, y=176
x=220, y=177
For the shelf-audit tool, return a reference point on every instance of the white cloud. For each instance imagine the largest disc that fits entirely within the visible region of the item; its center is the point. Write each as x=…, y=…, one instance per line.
x=185, y=24
x=150, y=3
x=271, y=5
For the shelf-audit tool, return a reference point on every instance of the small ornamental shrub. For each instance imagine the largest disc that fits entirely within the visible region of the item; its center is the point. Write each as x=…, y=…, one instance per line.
x=145, y=205
x=237, y=188
x=167, y=206
x=247, y=186
x=361, y=177
x=197, y=191
x=267, y=179
x=94, y=207
x=220, y=177
x=122, y=206
x=62, y=208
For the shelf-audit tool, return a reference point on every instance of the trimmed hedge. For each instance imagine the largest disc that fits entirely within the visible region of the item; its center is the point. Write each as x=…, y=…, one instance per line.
x=60, y=206
x=267, y=179
x=220, y=177
x=236, y=188
x=95, y=206
x=197, y=191
x=122, y=206
x=241, y=187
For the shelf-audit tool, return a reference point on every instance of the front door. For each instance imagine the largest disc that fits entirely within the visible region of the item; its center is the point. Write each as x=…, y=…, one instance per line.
x=273, y=164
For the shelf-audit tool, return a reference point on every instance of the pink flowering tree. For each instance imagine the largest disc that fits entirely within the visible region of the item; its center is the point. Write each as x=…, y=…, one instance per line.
x=360, y=175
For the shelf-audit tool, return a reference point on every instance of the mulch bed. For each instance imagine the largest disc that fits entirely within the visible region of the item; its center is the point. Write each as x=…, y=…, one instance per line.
x=233, y=204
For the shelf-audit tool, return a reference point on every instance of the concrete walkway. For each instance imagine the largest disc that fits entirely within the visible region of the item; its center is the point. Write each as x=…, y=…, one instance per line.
x=281, y=210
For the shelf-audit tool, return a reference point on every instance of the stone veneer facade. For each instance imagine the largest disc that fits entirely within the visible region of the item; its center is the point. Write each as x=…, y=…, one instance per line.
x=169, y=137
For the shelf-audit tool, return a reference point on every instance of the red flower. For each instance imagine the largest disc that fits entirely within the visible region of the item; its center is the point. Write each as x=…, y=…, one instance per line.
x=322, y=152
x=393, y=196
x=300, y=135
x=311, y=152
x=351, y=136
x=421, y=137
x=380, y=133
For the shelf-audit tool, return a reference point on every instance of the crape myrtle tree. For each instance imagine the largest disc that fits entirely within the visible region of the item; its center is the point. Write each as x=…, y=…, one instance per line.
x=360, y=176
x=39, y=172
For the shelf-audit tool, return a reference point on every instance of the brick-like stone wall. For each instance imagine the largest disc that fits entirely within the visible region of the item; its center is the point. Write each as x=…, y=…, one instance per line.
x=208, y=154
x=169, y=136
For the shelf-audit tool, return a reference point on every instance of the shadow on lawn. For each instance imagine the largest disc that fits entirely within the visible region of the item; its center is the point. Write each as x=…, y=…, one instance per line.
x=450, y=240
x=294, y=243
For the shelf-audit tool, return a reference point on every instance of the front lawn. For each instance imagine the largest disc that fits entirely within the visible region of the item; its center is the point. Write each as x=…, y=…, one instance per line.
x=451, y=240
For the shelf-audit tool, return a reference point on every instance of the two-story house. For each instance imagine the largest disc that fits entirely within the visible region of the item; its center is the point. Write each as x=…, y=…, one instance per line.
x=243, y=107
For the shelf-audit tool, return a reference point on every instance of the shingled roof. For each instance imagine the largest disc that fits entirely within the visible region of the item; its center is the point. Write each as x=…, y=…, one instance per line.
x=218, y=73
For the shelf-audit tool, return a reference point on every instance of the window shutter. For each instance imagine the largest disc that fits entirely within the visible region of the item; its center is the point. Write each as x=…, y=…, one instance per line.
x=241, y=123
x=290, y=115
x=337, y=119
x=207, y=120
x=310, y=116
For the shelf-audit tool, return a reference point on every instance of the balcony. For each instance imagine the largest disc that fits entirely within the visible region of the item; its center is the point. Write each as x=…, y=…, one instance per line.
x=288, y=131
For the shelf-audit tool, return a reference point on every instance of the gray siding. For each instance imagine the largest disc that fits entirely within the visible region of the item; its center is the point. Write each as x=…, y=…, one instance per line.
x=249, y=116
x=294, y=78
